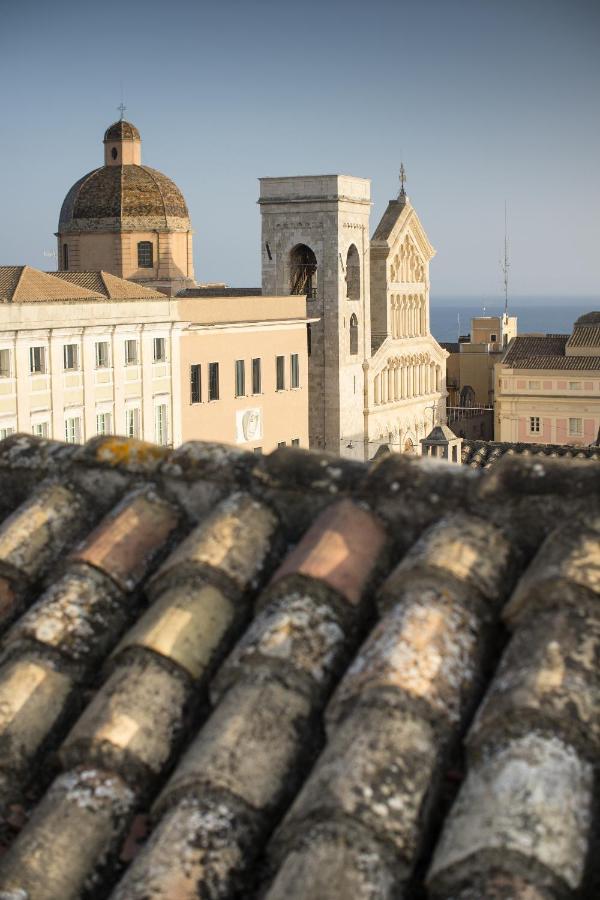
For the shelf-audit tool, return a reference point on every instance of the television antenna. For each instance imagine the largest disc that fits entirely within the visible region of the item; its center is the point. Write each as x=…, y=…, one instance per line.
x=504, y=263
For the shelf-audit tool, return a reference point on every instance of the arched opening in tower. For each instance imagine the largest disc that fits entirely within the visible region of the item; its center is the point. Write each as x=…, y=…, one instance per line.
x=352, y=274
x=303, y=271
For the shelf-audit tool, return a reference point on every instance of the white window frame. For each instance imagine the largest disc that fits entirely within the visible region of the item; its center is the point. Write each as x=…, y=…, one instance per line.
x=103, y=422
x=6, y=371
x=40, y=429
x=161, y=424
x=41, y=352
x=7, y=430
x=575, y=426
x=534, y=385
x=294, y=371
x=157, y=343
x=130, y=360
x=71, y=357
x=133, y=421
x=99, y=363
x=73, y=431
x=535, y=423
x=574, y=385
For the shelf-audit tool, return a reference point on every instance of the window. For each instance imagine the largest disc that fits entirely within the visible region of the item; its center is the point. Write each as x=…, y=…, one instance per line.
x=574, y=385
x=132, y=422
x=145, y=255
x=160, y=350
x=161, y=430
x=113, y=153
x=213, y=381
x=352, y=274
x=240, y=378
x=353, y=335
x=37, y=360
x=281, y=444
x=295, y=442
x=102, y=354
x=70, y=356
x=309, y=339
x=131, y=352
x=280, y=373
x=575, y=426
x=534, y=424
x=73, y=430
x=40, y=429
x=4, y=363
x=294, y=371
x=303, y=271
x=534, y=385
x=196, y=383
x=256, y=376
x=103, y=423
x=6, y=431
x=258, y=450
x=493, y=338
x=65, y=256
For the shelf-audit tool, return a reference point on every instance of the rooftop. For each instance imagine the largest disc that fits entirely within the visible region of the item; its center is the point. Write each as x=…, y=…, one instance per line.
x=121, y=131
x=225, y=675
x=577, y=351
x=24, y=284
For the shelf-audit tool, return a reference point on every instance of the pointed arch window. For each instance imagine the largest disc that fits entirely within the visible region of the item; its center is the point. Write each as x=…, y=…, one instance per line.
x=145, y=255
x=353, y=335
x=352, y=274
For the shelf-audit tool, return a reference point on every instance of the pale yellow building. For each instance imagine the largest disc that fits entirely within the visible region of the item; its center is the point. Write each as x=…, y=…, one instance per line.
x=127, y=219
x=89, y=353
x=548, y=387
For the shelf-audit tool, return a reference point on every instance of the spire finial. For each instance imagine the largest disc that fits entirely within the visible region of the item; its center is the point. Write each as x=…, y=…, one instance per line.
x=122, y=108
x=402, y=194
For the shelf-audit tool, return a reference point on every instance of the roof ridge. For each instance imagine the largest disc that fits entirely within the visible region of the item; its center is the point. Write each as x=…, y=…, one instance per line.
x=18, y=284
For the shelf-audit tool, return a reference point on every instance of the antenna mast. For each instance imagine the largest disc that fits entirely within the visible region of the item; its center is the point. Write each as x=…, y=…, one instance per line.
x=505, y=263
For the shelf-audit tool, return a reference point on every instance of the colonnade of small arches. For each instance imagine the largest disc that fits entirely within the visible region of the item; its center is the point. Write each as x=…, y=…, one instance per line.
x=404, y=437
x=407, y=266
x=408, y=315
x=405, y=377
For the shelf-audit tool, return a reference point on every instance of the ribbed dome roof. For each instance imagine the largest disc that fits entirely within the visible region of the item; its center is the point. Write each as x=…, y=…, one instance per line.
x=121, y=198
x=122, y=131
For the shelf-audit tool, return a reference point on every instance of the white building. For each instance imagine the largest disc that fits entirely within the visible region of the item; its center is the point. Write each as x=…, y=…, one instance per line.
x=376, y=374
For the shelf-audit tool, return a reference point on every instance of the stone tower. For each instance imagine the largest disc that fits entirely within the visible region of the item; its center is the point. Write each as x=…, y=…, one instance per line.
x=315, y=241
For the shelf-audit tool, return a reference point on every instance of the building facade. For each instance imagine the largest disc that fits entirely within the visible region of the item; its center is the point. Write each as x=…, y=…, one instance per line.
x=127, y=219
x=548, y=387
x=376, y=374
x=89, y=353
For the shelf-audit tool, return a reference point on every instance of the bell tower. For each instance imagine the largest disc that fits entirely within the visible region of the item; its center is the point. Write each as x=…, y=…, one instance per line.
x=315, y=241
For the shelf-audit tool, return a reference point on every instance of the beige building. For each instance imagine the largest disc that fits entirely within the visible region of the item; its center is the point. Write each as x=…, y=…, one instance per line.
x=548, y=387
x=128, y=219
x=89, y=353
x=470, y=364
x=376, y=374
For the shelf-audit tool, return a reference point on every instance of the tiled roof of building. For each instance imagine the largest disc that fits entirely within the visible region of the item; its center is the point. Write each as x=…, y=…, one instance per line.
x=388, y=220
x=220, y=292
x=121, y=131
x=22, y=284
x=123, y=197
x=584, y=336
x=545, y=352
x=225, y=675
x=483, y=454
x=109, y=286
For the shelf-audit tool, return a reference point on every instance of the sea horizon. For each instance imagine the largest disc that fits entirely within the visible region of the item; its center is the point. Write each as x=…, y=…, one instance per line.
x=452, y=316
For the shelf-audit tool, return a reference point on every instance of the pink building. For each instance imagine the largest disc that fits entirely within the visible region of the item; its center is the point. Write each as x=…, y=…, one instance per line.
x=548, y=387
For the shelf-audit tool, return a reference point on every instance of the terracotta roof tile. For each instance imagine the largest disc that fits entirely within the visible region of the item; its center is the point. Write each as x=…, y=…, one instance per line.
x=273, y=661
x=548, y=352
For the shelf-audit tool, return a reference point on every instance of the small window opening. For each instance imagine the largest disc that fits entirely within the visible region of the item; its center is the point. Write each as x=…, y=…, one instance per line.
x=145, y=260
x=303, y=271
x=113, y=153
x=353, y=335
x=353, y=274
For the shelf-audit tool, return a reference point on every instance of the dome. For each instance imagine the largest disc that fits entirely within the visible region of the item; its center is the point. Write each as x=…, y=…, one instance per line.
x=122, y=131
x=591, y=318
x=124, y=198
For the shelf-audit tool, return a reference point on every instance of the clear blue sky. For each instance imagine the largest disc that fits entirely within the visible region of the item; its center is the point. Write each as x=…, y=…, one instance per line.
x=484, y=100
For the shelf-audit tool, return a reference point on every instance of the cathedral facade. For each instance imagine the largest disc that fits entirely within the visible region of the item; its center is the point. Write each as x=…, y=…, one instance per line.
x=376, y=373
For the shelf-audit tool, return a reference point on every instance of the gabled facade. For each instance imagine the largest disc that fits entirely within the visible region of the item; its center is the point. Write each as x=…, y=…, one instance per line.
x=376, y=374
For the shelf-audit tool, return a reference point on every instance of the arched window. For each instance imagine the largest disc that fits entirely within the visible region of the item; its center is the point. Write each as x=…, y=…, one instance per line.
x=114, y=153
x=467, y=396
x=352, y=274
x=65, y=259
x=353, y=335
x=145, y=260
x=303, y=271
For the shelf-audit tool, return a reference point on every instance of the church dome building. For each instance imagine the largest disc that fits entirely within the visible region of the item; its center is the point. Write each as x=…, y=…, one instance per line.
x=127, y=219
